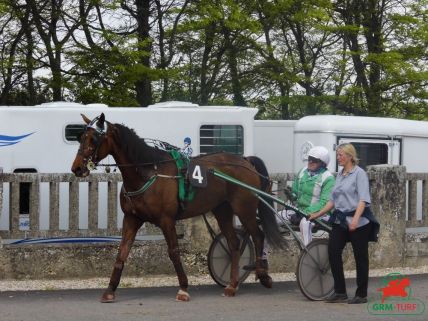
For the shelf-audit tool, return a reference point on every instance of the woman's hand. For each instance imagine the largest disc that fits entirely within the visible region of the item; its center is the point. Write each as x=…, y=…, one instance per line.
x=353, y=225
x=355, y=219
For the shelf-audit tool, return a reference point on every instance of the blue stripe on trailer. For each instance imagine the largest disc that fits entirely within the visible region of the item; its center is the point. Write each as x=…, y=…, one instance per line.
x=68, y=240
x=6, y=140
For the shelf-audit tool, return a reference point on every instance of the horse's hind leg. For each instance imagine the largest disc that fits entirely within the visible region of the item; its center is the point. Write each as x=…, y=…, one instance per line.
x=224, y=216
x=131, y=224
x=261, y=268
x=250, y=223
x=168, y=228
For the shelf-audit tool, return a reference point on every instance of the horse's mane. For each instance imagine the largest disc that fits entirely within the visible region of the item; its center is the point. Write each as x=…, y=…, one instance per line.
x=137, y=149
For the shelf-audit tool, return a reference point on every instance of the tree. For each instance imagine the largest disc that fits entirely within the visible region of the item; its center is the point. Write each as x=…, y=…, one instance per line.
x=55, y=29
x=290, y=58
x=297, y=56
x=384, y=68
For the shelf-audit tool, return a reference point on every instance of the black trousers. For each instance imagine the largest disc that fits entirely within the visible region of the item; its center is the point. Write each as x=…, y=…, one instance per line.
x=360, y=245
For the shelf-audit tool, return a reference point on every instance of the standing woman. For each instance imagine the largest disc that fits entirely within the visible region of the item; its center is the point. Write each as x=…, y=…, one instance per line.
x=353, y=221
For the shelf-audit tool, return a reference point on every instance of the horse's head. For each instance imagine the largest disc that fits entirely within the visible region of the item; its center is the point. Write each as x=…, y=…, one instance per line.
x=93, y=147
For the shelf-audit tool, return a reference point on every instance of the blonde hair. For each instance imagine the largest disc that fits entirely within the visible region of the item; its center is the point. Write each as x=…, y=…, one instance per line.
x=350, y=150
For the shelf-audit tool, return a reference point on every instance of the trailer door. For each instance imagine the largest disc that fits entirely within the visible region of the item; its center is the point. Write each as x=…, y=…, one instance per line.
x=374, y=151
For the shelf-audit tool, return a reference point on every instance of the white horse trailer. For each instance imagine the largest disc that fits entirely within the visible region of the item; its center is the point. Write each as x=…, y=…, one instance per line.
x=43, y=139
x=284, y=144
x=274, y=143
x=377, y=140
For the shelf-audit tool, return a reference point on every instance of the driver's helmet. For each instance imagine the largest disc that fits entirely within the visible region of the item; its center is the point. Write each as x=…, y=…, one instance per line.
x=321, y=153
x=187, y=141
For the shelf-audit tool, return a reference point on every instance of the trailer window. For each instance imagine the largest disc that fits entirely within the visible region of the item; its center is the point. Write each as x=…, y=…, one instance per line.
x=371, y=153
x=221, y=138
x=73, y=132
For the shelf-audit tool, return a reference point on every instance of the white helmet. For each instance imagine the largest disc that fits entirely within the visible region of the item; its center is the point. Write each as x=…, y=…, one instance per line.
x=321, y=153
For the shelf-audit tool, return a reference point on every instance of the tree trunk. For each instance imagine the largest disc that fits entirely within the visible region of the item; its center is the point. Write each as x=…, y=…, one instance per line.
x=368, y=15
x=372, y=23
x=285, y=95
x=143, y=86
x=56, y=77
x=238, y=97
x=208, y=45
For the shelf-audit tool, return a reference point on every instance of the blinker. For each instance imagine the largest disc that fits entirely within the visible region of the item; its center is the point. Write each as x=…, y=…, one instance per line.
x=94, y=124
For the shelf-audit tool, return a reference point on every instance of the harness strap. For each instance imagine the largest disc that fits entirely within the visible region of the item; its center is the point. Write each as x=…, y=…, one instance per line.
x=144, y=188
x=185, y=191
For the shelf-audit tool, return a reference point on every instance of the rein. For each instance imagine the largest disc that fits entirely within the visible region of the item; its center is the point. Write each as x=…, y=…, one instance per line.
x=136, y=165
x=172, y=160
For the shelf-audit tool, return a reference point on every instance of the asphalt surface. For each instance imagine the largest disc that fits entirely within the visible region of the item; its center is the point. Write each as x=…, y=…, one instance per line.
x=253, y=302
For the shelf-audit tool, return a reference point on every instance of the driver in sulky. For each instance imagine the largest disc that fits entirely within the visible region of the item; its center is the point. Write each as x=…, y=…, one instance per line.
x=311, y=191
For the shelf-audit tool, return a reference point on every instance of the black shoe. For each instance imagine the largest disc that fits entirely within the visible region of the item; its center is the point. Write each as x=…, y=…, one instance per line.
x=357, y=300
x=252, y=266
x=337, y=298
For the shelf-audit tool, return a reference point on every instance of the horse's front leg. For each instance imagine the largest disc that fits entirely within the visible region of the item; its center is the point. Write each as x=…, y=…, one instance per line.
x=131, y=225
x=170, y=233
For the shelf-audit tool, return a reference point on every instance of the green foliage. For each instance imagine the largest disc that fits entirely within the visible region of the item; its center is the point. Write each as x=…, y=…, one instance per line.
x=289, y=58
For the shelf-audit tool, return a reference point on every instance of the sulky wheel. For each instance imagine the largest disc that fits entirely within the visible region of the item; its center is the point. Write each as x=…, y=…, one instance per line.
x=219, y=260
x=313, y=271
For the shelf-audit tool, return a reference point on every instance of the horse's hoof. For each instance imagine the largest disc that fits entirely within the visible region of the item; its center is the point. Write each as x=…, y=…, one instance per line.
x=229, y=291
x=182, y=296
x=266, y=281
x=108, y=297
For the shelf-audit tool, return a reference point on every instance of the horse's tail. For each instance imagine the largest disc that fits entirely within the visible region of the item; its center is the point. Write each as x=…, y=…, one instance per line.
x=266, y=215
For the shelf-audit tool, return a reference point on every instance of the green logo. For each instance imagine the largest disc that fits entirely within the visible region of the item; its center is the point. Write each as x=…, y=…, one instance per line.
x=394, y=297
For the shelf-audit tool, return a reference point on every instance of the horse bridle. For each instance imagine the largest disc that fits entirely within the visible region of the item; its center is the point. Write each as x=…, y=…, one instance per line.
x=98, y=137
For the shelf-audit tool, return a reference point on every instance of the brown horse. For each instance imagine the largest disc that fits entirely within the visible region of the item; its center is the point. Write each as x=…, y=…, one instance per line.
x=158, y=203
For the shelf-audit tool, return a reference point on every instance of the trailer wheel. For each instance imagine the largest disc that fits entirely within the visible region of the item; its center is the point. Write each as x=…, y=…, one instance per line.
x=313, y=271
x=219, y=260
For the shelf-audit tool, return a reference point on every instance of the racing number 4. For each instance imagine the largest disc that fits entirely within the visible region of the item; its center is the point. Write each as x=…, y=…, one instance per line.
x=198, y=175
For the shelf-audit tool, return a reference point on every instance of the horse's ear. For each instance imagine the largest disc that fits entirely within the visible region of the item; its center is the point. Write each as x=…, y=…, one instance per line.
x=100, y=122
x=85, y=119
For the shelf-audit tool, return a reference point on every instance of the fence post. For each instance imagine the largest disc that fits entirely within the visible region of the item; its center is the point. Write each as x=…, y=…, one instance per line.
x=112, y=206
x=53, y=205
x=93, y=206
x=73, y=206
x=388, y=194
x=14, y=193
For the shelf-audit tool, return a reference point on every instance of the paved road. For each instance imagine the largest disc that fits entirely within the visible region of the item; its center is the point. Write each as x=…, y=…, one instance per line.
x=253, y=302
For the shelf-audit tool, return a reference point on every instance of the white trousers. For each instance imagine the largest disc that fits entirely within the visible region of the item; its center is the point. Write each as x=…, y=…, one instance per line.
x=305, y=229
